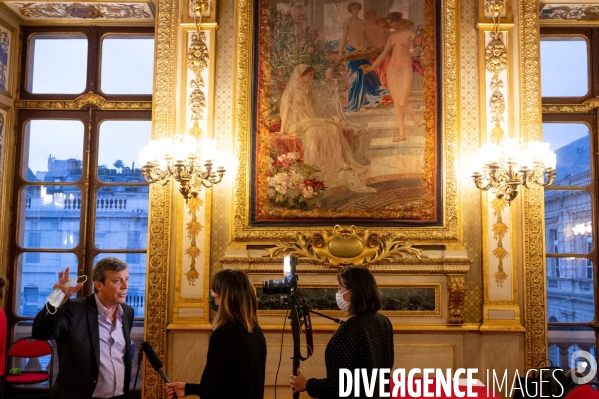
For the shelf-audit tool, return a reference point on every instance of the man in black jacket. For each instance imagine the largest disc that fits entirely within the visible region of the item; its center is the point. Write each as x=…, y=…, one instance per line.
x=92, y=334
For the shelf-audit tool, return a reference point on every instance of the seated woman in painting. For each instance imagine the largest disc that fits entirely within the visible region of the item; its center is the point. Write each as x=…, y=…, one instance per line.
x=325, y=148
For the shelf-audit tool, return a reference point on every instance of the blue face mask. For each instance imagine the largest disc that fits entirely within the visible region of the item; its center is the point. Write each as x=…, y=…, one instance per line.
x=213, y=305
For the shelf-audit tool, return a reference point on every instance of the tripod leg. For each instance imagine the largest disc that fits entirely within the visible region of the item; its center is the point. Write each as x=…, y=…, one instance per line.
x=295, y=330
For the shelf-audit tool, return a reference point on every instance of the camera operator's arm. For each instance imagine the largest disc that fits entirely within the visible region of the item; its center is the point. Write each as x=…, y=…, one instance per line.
x=343, y=354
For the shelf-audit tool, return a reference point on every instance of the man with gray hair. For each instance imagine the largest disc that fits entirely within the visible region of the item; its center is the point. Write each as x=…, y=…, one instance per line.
x=92, y=334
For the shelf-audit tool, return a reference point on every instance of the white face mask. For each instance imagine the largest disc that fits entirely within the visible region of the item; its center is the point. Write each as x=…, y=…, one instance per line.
x=56, y=297
x=342, y=303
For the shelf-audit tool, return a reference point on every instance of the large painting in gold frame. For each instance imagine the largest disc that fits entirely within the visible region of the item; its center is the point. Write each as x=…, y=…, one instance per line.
x=263, y=151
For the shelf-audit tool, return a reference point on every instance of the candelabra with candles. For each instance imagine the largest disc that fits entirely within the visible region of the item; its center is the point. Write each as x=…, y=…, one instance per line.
x=505, y=167
x=181, y=158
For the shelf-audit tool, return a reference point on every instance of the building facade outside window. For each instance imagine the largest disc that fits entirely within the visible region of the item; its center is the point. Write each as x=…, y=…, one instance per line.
x=78, y=192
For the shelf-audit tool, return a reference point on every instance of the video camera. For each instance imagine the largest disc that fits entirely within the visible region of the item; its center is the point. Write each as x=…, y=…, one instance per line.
x=287, y=286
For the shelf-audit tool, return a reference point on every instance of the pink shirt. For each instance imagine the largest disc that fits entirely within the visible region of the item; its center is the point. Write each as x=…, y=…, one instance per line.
x=111, y=378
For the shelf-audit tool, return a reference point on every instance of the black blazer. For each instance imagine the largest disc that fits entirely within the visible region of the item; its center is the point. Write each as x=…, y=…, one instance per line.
x=75, y=329
x=235, y=366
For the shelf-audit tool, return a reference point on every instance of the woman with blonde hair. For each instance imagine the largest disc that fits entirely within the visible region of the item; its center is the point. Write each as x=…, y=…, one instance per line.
x=236, y=358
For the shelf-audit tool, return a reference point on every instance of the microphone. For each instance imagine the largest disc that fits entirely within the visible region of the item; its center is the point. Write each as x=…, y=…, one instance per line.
x=155, y=361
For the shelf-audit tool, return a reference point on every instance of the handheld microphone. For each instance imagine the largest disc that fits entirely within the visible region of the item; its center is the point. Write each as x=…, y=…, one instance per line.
x=155, y=361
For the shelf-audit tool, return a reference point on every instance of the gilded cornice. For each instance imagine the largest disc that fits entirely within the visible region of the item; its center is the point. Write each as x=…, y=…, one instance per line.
x=387, y=266
x=587, y=106
x=530, y=123
x=89, y=98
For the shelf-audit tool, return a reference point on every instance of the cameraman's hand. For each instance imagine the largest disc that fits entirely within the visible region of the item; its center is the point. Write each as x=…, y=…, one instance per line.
x=175, y=387
x=298, y=382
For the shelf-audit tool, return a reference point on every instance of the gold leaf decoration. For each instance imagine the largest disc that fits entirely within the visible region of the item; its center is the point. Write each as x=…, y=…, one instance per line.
x=500, y=229
x=344, y=246
x=193, y=230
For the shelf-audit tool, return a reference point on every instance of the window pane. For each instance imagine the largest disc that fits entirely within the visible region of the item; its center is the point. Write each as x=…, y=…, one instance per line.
x=568, y=221
x=37, y=279
x=118, y=154
x=572, y=145
x=564, y=66
x=127, y=64
x=564, y=341
x=53, y=150
x=122, y=217
x=52, y=217
x=136, y=293
x=49, y=72
x=570, y=290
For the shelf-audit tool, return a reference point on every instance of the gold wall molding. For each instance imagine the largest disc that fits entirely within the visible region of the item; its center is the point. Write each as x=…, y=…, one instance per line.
x=587, y=106
x=396, y=266
x=89, y=98
x=243, y=231
x=532, y=199
x=456, y=286
x=159, y=224
x=344, y=246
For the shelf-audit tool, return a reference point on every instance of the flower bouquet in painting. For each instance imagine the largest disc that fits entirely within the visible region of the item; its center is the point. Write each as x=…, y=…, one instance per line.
x=290, y=182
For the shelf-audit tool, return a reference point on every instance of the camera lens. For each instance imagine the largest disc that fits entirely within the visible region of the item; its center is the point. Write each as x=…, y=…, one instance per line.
x=273, y=287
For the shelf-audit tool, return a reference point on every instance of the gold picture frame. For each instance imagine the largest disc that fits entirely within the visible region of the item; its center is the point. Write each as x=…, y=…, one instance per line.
x=8, y=58
x=446, y=230
x=437, y=311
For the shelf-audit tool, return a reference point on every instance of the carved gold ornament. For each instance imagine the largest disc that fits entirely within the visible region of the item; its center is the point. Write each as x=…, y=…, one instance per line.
x=197, y=61
x=89, y=98
x=457, y=292
x=159, y=228
x=193, y=230
x=344, y=246
x=496, y=55
x=499, y=231
x=532, y=212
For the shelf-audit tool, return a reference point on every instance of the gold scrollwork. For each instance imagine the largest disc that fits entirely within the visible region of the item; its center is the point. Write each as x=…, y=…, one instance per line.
x=193, y=230
x=499, y=231
x=530, y=123
x=89, y=98
x=197, y=61
x=345, y=246
x=585, y=107
x=159, y=228
x=457, y=290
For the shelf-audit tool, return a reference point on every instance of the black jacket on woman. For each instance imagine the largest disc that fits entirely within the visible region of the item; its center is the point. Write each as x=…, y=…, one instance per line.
x=235, y=366
x=364, y=341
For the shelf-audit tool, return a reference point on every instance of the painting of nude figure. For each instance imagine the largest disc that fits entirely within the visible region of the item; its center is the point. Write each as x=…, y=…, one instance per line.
x=346, y=117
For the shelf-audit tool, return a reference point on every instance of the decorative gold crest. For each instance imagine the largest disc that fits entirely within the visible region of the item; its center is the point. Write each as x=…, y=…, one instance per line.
x=345, y=246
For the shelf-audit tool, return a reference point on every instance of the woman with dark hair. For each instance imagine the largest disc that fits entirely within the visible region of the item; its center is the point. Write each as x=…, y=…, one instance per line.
x=364, y=341
x=236, y=358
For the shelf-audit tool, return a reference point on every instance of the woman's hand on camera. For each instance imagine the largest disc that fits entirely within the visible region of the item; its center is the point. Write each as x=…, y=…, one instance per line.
x=298, y=382
x=175, y=387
